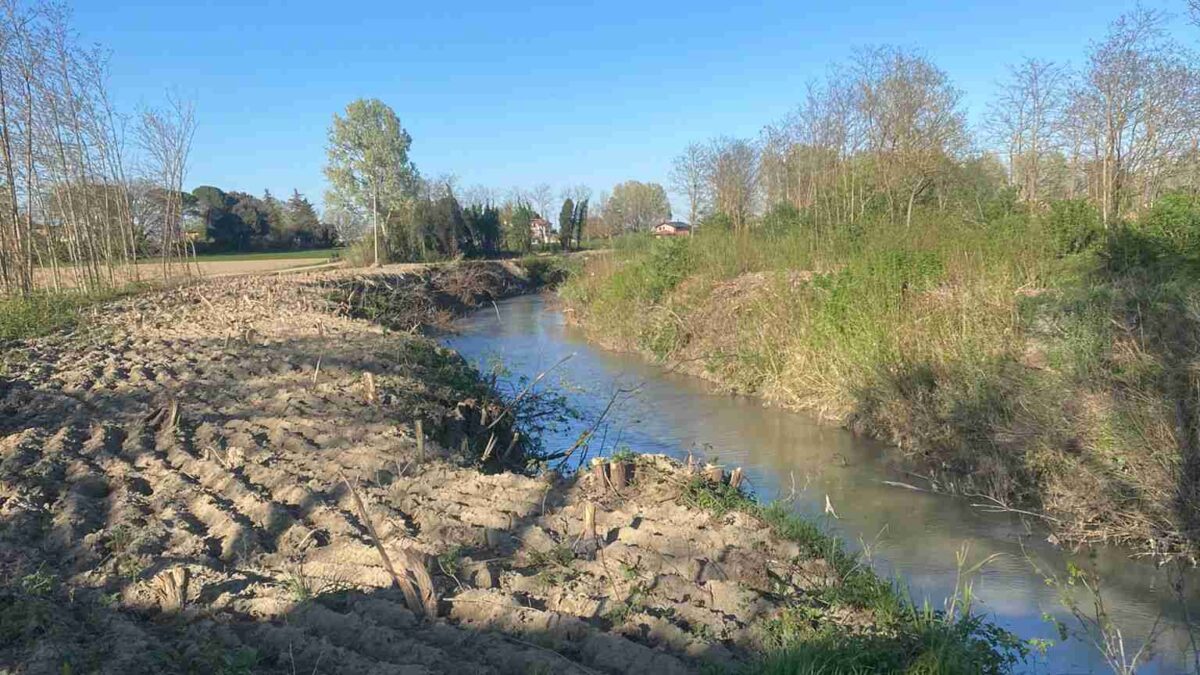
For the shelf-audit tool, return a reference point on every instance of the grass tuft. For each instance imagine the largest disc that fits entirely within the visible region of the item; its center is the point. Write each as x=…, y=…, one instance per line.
x=40, y=314
x=905, y=638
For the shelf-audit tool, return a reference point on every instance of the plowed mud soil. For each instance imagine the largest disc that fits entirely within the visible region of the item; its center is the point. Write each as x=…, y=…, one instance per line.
x=179, y=488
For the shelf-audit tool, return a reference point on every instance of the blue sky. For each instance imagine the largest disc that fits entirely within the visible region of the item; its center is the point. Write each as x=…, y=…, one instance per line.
x=523, y=94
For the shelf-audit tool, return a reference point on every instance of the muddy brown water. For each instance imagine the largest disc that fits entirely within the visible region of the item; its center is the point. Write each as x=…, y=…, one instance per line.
x=906, y=534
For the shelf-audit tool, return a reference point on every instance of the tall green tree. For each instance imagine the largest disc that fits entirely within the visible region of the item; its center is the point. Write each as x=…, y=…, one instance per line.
x=520, y=232
x=368, y=165
x=254, y=218
x=442, y=221
x=231, y=221
x=636, y=206
x=279, y=235
x=483, y=222
x=302, y=222
x=218, y=226
x=566, y=223
x=581, y=216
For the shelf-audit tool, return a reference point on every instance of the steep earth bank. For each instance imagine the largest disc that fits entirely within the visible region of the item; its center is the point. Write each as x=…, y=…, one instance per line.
x=1072, y=399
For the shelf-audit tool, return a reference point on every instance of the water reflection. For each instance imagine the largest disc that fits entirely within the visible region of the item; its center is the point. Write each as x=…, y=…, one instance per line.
x=909, y=534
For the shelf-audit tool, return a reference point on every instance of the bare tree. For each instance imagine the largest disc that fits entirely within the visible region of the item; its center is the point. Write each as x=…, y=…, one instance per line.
x=67, y=209
x=443, y=185
x=1137, y=99
x=688, y=178
x=912, y=120
x=542, y=198
x=479, y=195
x=731, y=176
x=166, y=138
x=576, y=193
x=1025, y=117
x=812, y=160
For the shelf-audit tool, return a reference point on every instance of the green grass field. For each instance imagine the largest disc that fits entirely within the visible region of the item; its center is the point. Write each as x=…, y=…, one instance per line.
x=313, y=254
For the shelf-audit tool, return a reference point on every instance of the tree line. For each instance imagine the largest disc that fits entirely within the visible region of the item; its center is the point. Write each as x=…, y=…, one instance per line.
x=237, y=221
x=886, y=134
x=85, y=189
x=882, y=136
x=378, y=197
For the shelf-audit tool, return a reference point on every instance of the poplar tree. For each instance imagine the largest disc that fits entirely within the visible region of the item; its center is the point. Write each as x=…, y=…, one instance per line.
x=566, y=223
x=368, y=166
x=581, y=216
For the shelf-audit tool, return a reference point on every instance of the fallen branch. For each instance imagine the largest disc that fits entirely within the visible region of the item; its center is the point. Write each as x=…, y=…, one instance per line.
x=423, y=602
x=529, y=387
x=585, y=436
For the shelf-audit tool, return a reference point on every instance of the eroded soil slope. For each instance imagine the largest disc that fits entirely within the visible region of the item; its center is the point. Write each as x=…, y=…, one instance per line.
x=179, y=486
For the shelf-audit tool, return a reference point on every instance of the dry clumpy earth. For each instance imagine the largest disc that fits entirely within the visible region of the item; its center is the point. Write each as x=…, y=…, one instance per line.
x=180, y=488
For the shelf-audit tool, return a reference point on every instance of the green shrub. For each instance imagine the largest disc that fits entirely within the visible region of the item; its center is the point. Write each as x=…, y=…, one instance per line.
x=898, y=269
x=362, y=252
x=546, y=270
x=667, y=265
x=1164, y=240
x=1174, y=220
x=652, y=270
x=715, y=222
x=782, y=218
x=1074, y=225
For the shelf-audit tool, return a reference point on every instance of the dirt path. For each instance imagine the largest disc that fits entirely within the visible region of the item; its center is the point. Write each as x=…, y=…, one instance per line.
x=172, y=500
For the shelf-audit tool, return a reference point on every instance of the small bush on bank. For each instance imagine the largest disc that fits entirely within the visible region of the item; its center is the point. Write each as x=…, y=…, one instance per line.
x=1074, y=225
x=547, y=270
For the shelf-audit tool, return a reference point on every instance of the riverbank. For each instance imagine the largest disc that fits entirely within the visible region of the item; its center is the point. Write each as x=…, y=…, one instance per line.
x=241, y=475
x=1025, y=363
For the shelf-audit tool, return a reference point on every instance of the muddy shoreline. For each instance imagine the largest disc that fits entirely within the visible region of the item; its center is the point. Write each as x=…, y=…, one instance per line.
x=226, y=476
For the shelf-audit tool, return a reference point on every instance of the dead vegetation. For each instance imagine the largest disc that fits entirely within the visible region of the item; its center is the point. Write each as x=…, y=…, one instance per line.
x=428, y=297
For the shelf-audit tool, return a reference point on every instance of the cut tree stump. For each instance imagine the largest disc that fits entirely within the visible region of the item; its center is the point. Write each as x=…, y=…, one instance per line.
x=714, y=473
x=600, y=473
x=619, y=472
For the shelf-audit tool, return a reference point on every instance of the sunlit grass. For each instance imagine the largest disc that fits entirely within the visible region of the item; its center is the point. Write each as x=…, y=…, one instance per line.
x=44, y=313
x=1034, y=358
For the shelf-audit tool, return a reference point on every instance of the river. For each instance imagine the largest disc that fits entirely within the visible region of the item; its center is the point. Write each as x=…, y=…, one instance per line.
x=906, y=534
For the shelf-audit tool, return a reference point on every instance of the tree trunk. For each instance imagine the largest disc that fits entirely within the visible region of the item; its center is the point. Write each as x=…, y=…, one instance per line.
x=375, y=217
